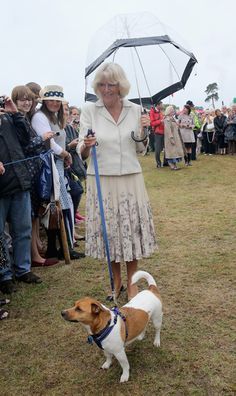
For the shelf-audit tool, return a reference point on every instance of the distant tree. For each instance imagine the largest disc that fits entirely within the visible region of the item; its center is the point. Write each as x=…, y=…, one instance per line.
x=212, y=93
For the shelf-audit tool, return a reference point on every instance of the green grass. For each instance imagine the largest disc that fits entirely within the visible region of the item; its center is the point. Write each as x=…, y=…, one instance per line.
x=195, y=217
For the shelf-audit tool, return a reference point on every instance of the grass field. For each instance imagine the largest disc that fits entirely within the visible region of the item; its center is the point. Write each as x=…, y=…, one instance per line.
x=195, y=218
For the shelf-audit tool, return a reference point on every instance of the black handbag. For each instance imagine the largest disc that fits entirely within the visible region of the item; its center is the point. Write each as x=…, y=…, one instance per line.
x=77, y=166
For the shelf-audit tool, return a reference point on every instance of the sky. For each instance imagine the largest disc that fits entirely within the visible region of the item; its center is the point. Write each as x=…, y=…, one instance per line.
x=47, y=41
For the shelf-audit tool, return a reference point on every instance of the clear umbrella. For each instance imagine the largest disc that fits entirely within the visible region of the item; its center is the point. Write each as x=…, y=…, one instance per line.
x=156, y=64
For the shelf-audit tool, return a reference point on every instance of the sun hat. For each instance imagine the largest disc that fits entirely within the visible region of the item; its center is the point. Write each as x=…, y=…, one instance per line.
x=52, y=92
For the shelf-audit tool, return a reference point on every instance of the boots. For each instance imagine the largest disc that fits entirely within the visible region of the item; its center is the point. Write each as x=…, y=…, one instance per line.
x=189, y=159
x=51, y=245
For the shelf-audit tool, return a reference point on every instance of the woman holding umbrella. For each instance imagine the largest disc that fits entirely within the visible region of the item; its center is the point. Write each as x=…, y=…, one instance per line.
x=127, y=209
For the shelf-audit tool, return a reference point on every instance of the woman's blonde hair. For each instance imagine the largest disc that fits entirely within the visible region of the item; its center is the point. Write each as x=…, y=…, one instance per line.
x=113, y=73
x=168, y=110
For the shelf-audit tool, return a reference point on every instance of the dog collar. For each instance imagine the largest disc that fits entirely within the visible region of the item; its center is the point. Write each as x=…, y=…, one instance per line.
x=99, y=337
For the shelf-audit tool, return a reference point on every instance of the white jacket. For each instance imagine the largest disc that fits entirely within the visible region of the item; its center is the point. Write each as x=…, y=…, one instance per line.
x=116, y=150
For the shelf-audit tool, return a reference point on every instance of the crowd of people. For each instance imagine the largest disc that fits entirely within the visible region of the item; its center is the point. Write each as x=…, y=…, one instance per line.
x=38, y=123
x=184, y=134
x=32, y=121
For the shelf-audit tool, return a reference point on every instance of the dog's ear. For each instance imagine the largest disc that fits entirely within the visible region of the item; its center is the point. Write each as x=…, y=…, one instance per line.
x=96, y=308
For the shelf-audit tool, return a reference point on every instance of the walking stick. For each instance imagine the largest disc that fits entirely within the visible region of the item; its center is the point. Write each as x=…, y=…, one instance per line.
x=103, y=221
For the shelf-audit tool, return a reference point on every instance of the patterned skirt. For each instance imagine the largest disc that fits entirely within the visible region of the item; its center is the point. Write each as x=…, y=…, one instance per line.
x=128, y=216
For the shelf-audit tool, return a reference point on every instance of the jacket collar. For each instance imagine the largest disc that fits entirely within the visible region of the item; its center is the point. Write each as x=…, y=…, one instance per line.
x=105, y=113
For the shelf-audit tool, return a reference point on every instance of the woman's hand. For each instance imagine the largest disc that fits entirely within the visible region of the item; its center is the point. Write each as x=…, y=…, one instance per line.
x=172, y=140
x=2, y=169
x=10, y=106
x=47, y=135
x=89, y=141
x=145, y=120
x=73, y=143
x=67, y=160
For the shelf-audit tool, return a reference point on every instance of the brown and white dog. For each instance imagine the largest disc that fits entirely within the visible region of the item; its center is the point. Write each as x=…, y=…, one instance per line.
x=113, y=329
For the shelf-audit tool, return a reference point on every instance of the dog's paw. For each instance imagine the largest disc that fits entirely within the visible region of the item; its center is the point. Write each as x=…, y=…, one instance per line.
x=124, y=377
x=106, y=365
x=141, y=336
x=157, y=343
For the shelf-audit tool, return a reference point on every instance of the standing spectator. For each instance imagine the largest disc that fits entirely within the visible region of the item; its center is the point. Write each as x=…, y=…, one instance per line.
x=23, y=98
x=220, y=122
x=126, y=205
x=157, y=124
x=173, y=145
x=186, y=126
x=76, y=188
x=74, y=117
x=230, y=131
x=196, y=128
x=15, y=206
x=35, y=88
x=208, y=133
x=50, y=117
x=224, y=111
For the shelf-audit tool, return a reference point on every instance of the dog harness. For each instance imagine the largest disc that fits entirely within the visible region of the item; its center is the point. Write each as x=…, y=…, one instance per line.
x=99, y=337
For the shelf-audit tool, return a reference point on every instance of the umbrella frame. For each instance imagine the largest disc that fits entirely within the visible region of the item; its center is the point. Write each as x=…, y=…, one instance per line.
x=139, y=42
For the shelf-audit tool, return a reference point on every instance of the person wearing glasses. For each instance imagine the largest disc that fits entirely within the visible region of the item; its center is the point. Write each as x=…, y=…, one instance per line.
x=126, y=205
x=23, y=98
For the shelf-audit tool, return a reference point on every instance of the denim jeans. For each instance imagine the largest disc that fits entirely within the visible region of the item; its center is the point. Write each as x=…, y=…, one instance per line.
x=16, y=209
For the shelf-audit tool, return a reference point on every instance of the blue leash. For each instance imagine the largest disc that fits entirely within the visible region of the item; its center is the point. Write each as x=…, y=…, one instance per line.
x=22, y=160
x=104, y=229
x=27, y=158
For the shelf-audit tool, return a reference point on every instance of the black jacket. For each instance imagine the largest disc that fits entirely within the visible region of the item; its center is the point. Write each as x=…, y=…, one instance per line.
x=14, y=137
x=220, y=123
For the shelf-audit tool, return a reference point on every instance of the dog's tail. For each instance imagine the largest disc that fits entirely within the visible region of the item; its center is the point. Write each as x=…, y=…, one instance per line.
x=143, y=275
x=152, y=286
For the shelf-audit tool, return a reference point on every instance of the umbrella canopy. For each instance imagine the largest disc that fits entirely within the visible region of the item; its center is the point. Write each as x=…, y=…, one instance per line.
x=156, y=64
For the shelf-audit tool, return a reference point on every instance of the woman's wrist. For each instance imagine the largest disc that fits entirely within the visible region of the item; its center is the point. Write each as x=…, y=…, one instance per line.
x=85, y=151
x=68, y=155
x=65, y=154
x=85, y=148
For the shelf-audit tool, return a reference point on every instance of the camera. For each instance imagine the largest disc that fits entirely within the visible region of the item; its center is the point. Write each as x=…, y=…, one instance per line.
x=2, y=102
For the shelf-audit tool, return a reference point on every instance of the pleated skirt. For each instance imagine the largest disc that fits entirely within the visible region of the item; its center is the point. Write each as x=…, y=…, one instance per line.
x=128, y=218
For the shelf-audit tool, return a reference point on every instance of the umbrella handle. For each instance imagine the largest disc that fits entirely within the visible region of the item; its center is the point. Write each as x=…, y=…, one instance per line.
x=146, y=133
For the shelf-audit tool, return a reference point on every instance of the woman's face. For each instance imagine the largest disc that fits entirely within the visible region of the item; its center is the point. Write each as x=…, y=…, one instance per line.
x=185, y=111
x=66, y=111
x=109, y=92
x=53, y=105
x=24, y=104
x=75, y=113
x=171, y=112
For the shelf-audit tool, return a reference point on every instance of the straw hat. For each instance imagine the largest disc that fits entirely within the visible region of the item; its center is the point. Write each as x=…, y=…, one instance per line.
x=52, y=92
